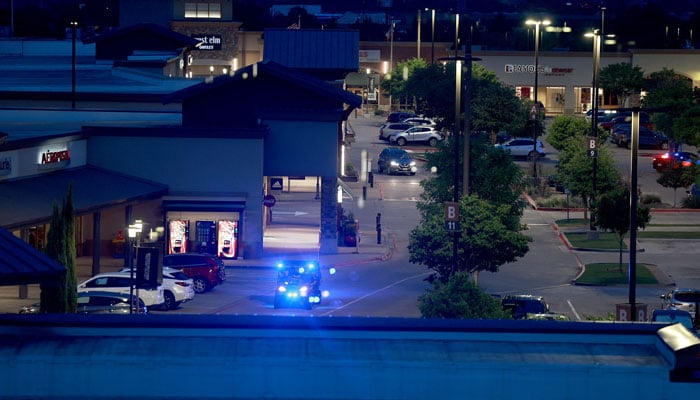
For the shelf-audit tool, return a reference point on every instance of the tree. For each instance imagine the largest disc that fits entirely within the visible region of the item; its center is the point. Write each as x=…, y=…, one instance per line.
x=460, y=297
x=676, y=176
x=671, y=93
x=485, y=241
x=686, y=128
x=60, y=295
x=565, y=127
x=613, y=211
x=494, y=178
x=575, y=170
x=68, y=217
x=53, y=292
x=622, y=80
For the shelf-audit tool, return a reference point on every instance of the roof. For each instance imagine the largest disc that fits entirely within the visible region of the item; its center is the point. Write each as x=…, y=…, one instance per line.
x=22, y=264
x=28, y=200
x=273, y=69
x=145, y=29
x=316, y=51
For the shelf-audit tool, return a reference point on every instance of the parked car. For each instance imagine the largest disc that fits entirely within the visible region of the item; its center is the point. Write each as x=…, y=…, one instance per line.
x=674, y=317
x=399, y=116
x=394, y=160
x=683, y=299
x=178, y=288
x=206, y=270
x=675, y=160
x=420, y=121
x=522, y=147
x=108, y=303
x=648, y=139
x=624, y=117
x=602, y=114
x=417, y=134
x=120, y=282
x=520, y=305
x=391, y=127
x=97, y=302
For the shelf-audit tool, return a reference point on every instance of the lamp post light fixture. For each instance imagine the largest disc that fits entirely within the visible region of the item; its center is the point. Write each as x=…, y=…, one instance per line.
x=73, y=29
x=536, y=113
x=133, y=233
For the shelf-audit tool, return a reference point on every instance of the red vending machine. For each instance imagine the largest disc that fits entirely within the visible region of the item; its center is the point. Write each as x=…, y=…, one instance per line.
x=179, y=232
x=227, y=239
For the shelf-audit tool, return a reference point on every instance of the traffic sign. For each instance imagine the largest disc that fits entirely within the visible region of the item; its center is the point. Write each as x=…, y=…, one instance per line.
x=451, y=216
x=592, y=147
x=276, y=183
x=269, y=200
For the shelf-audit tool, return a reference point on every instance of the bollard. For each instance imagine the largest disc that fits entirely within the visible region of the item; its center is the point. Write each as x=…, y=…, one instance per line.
x=371, y=179
x=379, y=228
x=364, y=192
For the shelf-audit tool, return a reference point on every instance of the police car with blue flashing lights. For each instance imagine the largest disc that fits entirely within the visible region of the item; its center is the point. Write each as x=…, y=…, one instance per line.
x=298, y=284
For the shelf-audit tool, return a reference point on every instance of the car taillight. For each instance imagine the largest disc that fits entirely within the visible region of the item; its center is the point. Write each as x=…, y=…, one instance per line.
x=183, y=284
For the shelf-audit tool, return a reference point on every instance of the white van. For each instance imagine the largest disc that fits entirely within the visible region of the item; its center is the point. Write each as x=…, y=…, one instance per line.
x=120, y=282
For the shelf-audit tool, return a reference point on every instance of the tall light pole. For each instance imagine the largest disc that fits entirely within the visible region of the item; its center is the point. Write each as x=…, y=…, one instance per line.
x=536, y=111
x=596, y=34
x=432, y=36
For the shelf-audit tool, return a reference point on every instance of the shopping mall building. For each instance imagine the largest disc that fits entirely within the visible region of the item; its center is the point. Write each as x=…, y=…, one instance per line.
x=185, y=122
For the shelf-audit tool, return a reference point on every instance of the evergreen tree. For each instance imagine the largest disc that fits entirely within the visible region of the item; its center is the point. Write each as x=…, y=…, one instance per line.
x=68, y=216
x=53, y=292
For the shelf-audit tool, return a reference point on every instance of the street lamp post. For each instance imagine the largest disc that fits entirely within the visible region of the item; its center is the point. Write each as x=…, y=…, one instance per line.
x=594, y=120
x=432, y=36
x=536, y=113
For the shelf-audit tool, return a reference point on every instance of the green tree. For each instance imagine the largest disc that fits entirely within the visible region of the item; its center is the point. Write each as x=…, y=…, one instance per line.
x=485, y=240
x=575, y=170
x=687, y=126
x=68, y=217
x=494, y=177
x=676, y=177
x=671, y=93
x=398, y=81
x=60, y=295
x=622, y=80
x=460, y=297
x=53, y=292
x=565, y=127
x=614, y=215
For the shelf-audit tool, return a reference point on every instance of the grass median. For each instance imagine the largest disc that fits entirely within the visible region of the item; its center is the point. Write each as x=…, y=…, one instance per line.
x=603, y=274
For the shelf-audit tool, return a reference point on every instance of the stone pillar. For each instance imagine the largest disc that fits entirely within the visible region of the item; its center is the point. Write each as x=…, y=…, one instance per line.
x=328, y=239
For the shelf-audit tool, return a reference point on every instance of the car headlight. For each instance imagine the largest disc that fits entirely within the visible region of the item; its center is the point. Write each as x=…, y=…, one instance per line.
x=303, y=291
x=413, y=163
x=394, y=164
x=282, y=289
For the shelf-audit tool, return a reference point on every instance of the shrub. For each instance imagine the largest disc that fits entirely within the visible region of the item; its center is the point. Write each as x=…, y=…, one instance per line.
x=650, y=198
x=691, y=202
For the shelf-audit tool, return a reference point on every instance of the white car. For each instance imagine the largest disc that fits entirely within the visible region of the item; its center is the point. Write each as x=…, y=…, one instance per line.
x=120, y=282
x=178, y=288
x=420, y=121
x=523, y=147
x=417, y=134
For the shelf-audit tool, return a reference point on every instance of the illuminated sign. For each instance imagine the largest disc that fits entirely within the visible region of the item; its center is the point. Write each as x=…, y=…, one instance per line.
x=369, y=55
x=54, y=158
x=542, y=69
x=208, y=42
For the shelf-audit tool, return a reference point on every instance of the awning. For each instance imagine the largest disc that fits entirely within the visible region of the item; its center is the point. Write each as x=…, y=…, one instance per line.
x=204, y=203
x=22, y=264
x=29, y=201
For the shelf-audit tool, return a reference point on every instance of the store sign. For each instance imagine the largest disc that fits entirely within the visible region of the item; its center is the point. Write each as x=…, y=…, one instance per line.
x=369, y=55
x=5, y=165
x=208, y=42
x=542, y=69
x=54, y=158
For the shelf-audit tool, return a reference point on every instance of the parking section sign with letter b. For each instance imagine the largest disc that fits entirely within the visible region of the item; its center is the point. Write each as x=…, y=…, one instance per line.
x=452, y=216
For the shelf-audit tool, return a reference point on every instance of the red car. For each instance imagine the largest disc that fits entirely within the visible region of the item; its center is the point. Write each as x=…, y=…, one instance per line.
x=205, y=270
x=674, y=160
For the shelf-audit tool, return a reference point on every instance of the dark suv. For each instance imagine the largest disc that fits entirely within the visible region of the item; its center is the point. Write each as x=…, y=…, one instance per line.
x=399, y=116
x=393, y=160
x=205, y=270
x=520, y=305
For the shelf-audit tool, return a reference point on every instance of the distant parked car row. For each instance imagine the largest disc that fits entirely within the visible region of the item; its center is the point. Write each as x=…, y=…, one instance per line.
x=523, y=148
x=410, y=130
